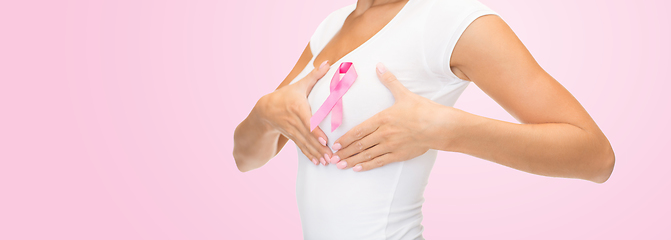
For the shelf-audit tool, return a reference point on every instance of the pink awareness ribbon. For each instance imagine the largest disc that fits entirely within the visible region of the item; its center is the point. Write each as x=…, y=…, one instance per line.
x=333, y=102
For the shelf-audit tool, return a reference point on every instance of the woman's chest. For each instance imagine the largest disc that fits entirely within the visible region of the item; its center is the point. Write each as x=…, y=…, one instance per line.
x=367, y=96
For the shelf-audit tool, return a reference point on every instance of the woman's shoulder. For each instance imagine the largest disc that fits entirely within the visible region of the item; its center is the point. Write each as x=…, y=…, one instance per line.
x=445, y=22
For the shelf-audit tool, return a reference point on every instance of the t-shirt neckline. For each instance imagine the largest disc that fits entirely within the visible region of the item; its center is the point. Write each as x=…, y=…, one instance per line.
x=367, y=42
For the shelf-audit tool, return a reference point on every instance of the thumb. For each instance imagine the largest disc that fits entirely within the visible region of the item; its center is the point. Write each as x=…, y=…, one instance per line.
x=390, y=81
x=311, y=79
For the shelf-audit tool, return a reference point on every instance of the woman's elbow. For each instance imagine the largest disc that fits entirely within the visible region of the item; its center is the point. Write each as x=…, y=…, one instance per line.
x=241, y=162
x=605, y=165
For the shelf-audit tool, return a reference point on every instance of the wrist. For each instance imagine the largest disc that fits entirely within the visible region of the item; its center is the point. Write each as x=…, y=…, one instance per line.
x=257, y=118
x=447, y=128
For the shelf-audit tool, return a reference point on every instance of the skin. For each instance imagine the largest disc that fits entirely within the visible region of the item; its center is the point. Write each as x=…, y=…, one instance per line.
x=258, y=139
x=281, y=115
x=555, y=137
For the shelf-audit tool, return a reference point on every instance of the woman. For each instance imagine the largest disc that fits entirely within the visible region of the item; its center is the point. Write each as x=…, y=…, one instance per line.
x=412, y=60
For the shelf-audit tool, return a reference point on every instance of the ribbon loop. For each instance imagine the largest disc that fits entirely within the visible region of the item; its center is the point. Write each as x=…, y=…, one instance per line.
x=333, y=102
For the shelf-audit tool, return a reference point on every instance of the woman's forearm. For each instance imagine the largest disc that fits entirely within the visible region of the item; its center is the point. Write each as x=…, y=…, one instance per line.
x=255, y=143
x=550, y=149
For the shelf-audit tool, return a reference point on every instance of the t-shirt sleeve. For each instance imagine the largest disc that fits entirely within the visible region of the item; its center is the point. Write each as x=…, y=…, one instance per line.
x=446, y=23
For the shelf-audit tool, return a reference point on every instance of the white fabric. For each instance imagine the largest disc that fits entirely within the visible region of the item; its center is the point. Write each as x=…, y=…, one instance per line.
x=383, y=203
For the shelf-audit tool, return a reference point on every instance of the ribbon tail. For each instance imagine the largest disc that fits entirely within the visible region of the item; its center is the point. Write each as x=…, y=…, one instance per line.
x=334, y=101
x=336, y=115
x=317, y=118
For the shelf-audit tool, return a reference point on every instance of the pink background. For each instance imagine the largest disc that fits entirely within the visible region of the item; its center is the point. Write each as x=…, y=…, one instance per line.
x=117, y=122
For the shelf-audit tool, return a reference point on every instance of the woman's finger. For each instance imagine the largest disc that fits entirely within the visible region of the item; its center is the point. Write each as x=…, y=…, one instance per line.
x=299, y=139
x=375, y=162
x=320, y=135
x=304, y=149
x=297, y=123
x=360, y=131
x=364, y=156
x=322, y=139
x=391, y=82
x=315, y=146
x=313, y=139
x=310, y=145
x=311, y=79
x=311, y=142
x=359, y=146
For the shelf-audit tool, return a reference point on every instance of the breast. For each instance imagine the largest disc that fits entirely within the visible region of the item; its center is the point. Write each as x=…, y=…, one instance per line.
x=366, y=97
x=332, y=199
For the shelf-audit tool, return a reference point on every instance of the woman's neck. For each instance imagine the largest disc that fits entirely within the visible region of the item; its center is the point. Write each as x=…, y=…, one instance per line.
x=363, y=5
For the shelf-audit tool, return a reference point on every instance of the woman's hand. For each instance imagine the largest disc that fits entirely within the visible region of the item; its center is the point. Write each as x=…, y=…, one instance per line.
x=287, y=111
x=398, y=133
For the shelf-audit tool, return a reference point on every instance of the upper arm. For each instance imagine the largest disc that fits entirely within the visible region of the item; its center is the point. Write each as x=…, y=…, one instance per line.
x=491, y=56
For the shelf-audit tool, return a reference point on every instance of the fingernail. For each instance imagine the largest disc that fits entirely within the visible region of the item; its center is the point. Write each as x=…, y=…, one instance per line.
x=323, y=64
x=357, y=168
x=322, y=141
x=326, y=156
x=342, y=164
x=314, y=160
x=336, y=146
x=380, y=68
x=335, y=159
x=321, y=160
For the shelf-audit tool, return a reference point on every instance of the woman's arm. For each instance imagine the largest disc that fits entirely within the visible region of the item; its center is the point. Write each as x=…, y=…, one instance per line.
x=557, y=136
x=256, y=140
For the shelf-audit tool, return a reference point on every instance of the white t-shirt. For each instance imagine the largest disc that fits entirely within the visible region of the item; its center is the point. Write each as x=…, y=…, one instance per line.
x=386, y=202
